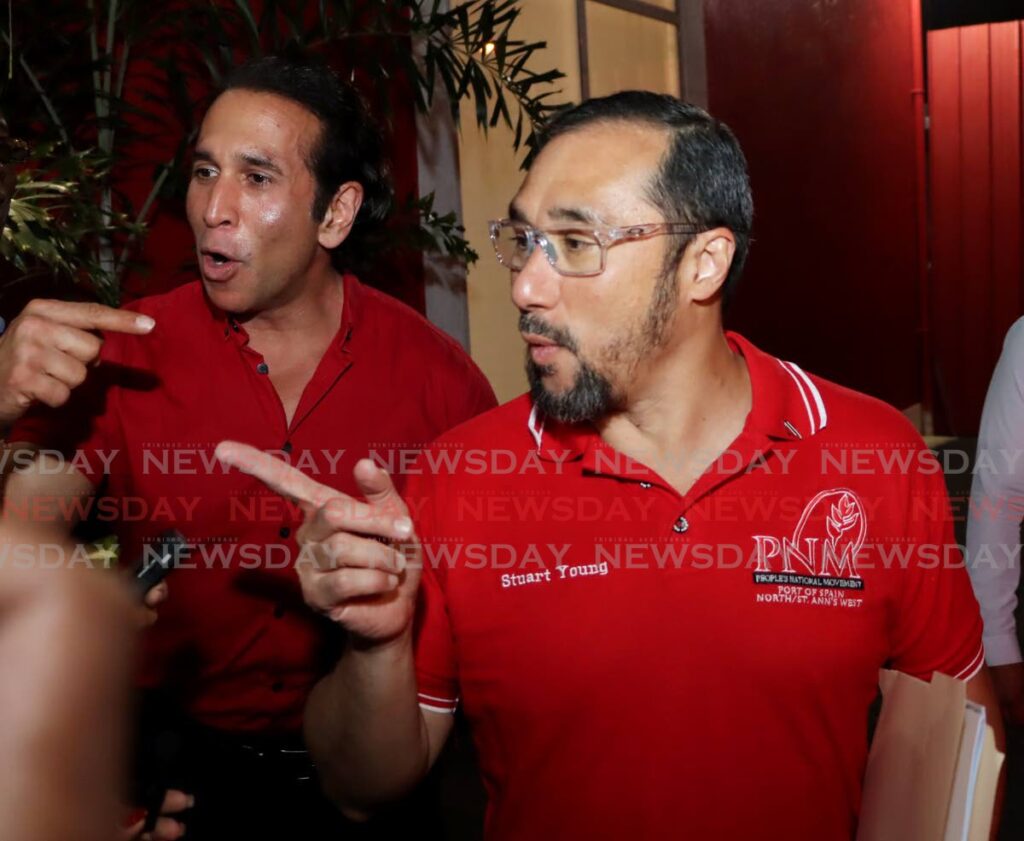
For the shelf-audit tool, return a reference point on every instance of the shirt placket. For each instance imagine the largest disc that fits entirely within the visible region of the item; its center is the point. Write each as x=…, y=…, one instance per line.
x=680, y=518
x=335, y=362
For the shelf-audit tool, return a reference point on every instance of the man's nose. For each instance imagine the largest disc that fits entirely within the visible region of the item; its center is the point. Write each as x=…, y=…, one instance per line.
x=536, y=285
x=221, y=204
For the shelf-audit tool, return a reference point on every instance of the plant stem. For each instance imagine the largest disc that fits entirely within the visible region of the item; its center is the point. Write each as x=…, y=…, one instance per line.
x=122, y=72
x=111, y=18
x=140, y=219
x=10, y=39
x=94, y=54
x=105, y=142
x=47, y=104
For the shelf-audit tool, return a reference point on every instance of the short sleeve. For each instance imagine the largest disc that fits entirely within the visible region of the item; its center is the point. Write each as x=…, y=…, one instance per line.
x=937, y=623
x=436, y=667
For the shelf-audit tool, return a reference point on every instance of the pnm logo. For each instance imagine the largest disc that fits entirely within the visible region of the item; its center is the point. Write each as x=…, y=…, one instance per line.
x=825, y=543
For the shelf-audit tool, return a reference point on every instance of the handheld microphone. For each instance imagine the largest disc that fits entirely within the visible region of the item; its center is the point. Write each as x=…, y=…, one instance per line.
x=158, y=559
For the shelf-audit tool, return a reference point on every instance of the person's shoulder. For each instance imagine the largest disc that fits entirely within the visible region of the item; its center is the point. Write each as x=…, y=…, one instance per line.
x=384, y=310
x=424, y=352
x=459, y=454
x=506, y=426
x=854, y=415
x=835, y=414
x=1013, y=344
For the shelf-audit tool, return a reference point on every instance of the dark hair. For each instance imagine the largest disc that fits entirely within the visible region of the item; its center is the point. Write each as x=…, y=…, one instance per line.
x=349, y=147
x=703, y=177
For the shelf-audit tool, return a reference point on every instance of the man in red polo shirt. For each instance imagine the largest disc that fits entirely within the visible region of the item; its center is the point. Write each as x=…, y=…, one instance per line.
x=667, y=619
x=277, y=345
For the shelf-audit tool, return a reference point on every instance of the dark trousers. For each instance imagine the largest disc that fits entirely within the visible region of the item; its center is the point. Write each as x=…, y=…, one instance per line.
x=1012, y=826
x=263, y=786
x=257, y=788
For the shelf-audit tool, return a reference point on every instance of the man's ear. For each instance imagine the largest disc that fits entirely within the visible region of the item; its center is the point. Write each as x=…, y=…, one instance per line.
x=340, y=215
x=712, y=252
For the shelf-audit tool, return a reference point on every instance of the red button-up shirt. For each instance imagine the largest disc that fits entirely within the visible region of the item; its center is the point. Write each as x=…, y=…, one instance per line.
x=235, y=636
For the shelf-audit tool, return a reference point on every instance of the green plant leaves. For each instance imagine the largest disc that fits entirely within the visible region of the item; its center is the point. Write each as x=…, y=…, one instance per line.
x=51, y=217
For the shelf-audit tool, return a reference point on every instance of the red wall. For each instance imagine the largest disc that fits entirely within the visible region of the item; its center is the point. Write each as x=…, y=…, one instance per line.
x=820, y=95
x=977, y=210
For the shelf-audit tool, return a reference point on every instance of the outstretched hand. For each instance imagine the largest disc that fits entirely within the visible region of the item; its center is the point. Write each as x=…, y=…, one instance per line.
x=355, y=556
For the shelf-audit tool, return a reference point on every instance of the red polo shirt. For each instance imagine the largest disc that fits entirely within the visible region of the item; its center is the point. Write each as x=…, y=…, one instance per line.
x=235, y=635
x=639, y=664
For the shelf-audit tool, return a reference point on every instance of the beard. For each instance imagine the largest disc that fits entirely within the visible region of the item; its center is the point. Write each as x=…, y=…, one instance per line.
x=589, y=398
x=592, y=395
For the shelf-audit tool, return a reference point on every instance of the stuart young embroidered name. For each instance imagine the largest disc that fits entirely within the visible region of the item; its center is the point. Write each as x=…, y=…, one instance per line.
x=561, y=573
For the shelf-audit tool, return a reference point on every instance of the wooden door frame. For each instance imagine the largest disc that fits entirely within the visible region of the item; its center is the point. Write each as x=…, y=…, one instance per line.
x=688, y=19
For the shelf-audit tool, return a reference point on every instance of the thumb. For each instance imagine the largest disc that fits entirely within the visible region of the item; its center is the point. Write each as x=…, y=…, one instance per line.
x=375, y=484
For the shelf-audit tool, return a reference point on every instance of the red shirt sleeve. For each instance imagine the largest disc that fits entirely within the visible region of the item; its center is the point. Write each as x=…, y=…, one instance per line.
x=937, y=626
x=436, y=668
x=468, y=395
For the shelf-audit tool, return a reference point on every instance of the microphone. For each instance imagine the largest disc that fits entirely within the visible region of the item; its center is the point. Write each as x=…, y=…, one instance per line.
x=158, y=559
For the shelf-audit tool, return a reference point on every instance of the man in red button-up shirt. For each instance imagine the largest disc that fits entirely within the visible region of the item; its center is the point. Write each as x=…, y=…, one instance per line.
x=279, y=346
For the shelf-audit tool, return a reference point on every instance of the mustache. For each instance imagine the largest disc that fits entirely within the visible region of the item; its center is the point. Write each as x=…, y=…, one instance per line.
x=530, y=323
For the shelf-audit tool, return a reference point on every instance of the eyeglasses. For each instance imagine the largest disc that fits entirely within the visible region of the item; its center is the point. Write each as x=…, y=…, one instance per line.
x=572, y=251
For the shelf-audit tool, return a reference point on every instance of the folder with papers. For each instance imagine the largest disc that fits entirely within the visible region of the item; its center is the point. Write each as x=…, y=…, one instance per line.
x=933, y=766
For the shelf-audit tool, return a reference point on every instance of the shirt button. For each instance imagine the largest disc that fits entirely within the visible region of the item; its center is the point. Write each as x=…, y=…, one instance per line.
x=285, y=531
x=279, y=611
x=645, y=485
x=682, y=525
x=277, y=686
x=263, y=368
x=286, y=447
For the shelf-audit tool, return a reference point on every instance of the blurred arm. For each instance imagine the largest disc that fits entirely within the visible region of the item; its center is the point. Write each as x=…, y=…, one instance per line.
x=65, y=639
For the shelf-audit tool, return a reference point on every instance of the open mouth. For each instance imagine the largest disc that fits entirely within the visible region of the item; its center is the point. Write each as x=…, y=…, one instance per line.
x=217, y=265
x=218, y=258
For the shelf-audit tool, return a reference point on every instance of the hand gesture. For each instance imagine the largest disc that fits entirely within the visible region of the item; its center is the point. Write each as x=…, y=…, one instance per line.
x=45, y=351
x=354, y=565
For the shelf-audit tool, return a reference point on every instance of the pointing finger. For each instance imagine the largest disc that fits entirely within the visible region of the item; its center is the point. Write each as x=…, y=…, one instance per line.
x=275, y=474
x=87, y=316
x=344, y=514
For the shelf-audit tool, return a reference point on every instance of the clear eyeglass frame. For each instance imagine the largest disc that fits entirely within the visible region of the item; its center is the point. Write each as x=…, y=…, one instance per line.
x=603, y=237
